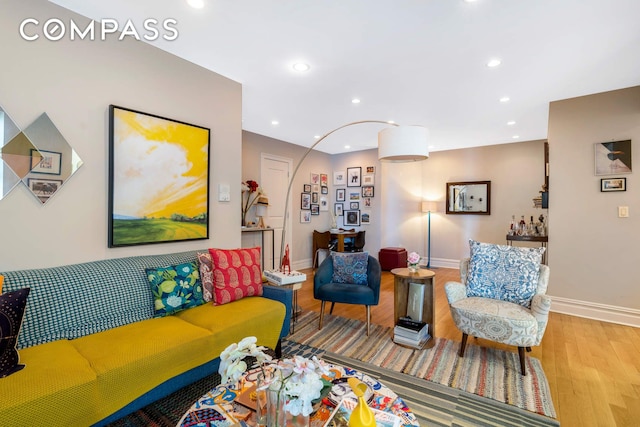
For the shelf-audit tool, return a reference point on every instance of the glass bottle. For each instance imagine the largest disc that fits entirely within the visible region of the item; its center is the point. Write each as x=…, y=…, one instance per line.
x=522, y=226
x=512, y=226
x=532, y=227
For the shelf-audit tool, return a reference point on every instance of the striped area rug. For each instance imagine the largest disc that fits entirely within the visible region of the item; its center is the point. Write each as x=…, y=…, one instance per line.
x=483, y=371
x=435, y=404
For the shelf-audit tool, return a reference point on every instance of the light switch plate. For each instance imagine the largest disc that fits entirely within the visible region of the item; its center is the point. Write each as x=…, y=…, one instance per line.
x=224, y=193
x=623, y=211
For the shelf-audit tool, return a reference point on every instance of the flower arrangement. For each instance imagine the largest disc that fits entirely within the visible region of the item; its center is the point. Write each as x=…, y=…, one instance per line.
x=413, y=259
x=251, y=192
x=297, y=380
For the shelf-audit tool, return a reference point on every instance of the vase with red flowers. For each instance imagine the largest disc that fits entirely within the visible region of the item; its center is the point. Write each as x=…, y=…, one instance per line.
x=251, y=192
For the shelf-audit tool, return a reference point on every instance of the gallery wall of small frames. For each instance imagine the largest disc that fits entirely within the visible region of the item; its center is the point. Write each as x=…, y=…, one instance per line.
x=354, y=190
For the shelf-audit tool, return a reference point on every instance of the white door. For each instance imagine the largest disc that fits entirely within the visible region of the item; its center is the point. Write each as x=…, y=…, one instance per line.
x=274, y=176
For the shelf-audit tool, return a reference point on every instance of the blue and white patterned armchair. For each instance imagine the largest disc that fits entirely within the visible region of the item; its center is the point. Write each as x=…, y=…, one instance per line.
x=484, y=315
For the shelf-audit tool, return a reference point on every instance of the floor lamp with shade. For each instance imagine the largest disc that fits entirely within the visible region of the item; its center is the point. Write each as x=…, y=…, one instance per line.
x=395, y=144
x=428, y=207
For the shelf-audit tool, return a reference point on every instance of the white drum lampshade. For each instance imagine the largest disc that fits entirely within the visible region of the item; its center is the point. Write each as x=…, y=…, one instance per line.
x=403, y=144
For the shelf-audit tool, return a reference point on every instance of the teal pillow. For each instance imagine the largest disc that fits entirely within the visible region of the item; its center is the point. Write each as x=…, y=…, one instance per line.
x=175, y=287
x=506, y=273
x=350, y=267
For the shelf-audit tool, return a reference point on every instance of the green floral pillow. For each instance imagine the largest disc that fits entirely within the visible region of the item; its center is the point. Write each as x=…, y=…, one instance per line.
x=175, y=288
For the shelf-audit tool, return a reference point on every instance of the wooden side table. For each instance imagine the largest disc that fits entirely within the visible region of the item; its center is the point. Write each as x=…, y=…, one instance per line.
x=402, y=278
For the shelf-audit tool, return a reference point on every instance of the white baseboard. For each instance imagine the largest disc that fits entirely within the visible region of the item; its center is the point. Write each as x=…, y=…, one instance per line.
x=572, y=307
x=445, y=263
x=595, y=311
x=303, y=263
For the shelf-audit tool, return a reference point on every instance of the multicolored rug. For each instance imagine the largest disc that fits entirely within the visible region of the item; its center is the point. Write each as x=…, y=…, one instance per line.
x=482, y=371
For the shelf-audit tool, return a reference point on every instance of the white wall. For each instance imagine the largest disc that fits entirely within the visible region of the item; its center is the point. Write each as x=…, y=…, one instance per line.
x=74, y=82
x=253, y=145
x=516, y=172
x=594, y=254
x=362, y=159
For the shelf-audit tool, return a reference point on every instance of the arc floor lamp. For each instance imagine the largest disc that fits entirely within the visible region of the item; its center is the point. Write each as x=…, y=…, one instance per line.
x=395, y=144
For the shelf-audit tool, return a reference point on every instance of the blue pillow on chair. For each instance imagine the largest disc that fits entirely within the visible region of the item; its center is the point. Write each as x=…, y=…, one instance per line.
x=350, y=267
x=506, y=273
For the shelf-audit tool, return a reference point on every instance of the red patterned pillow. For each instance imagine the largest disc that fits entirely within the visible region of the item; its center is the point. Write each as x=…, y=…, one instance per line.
x=236, y=274
x=205, y=265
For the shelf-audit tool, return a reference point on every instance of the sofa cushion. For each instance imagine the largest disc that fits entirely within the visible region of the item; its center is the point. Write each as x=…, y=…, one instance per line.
x=252, y=316
x=175, y=287
x=12, y=305
x=141, y=356
x=506, y=273
x=57, y=385
x=350, y=267
x=236, y=274
x=205, y=264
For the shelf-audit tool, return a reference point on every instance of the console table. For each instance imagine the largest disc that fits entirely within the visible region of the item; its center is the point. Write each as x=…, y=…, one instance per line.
x=402, y=277
x=273, y=244
x=543, y=240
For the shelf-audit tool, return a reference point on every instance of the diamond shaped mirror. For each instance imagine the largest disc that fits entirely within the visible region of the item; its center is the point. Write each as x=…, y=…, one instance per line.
x=52, y=163
x=16, y=152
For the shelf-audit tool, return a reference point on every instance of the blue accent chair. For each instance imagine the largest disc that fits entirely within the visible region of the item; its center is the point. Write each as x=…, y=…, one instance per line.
x=325, y=290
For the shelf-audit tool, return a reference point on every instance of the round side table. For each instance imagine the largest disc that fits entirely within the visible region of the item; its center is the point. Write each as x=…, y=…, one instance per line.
x=403, y=277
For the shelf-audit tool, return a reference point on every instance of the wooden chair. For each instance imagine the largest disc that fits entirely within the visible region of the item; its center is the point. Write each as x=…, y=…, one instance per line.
x=321, y=243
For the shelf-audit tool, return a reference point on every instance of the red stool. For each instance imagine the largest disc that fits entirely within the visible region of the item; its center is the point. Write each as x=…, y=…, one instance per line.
x=391, y=258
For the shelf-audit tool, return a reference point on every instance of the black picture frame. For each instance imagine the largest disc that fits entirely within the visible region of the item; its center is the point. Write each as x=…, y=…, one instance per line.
x=338, y=209
x=43, y=188
x=324, y=189
x=305, y=201
x=354, y=176
x=132, y=219
x=352, y=217
x=341, y=195
x=354, y=205
x=315, y=209
x=613, y=184
x=314, y=197
x=368, y=191
x=306, y=188
x=46, y=162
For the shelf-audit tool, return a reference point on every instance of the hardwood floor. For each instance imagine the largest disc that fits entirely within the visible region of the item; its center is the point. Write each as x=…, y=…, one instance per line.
x=593, y=367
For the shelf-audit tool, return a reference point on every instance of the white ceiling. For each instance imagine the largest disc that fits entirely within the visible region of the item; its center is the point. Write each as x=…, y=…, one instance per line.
x=411, y=61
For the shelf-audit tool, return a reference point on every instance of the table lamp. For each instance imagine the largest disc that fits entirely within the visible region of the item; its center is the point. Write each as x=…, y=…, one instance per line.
x=261, y=210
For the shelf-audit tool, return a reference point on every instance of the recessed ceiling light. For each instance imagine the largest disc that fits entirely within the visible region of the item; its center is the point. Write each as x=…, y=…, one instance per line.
x=511, y=123
x=346, y=147
x=316, y=136
x=494, y=63
x=196, y=4
x=504, y=99
x=355, y=101
x=275, y=122
x=301, y=66
x=391, y=122
x=516, y=136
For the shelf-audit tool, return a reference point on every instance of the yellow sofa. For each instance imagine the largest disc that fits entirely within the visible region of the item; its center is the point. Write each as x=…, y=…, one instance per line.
x=94, y=351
